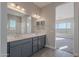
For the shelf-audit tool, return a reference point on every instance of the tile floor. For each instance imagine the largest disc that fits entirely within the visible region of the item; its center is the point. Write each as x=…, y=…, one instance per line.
x=65, y=44
x=47, y=52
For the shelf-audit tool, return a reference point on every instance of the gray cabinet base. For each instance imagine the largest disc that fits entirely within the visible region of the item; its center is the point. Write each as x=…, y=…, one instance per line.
x=26, y=47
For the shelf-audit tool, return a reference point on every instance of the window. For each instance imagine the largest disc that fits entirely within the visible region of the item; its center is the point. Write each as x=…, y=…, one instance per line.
x=68, y=25
x=63, y=25
x=12, y=24
x=56, y=26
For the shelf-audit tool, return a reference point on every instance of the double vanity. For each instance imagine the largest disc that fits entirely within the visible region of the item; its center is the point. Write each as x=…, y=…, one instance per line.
x=25, y=45
x=25, y=33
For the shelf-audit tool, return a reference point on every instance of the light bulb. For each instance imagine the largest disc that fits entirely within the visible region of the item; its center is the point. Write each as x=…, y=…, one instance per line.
x=34, y=16
x=18, y=7
x=12, y=4
x=22, y=9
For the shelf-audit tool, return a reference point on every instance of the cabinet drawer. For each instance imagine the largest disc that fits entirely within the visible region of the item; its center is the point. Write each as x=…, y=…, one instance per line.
x=15, y=43
x=35, y=38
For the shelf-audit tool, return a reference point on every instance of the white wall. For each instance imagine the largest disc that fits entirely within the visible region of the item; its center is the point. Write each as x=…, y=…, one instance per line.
x=48, y=13
x=3, y=30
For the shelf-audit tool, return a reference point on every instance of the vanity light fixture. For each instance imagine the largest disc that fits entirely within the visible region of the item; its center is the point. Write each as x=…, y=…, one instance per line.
x=41, y=19
x=36, y=16
x=22, y=9
x=12, y=4
x=16, y=7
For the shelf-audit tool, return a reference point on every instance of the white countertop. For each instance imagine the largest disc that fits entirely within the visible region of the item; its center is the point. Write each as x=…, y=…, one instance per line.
x=11, y=38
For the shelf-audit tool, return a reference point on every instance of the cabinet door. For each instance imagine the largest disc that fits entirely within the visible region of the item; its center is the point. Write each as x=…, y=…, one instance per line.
x=41, y=42
x=15, y=51
x=26, y=49
x=35, y=44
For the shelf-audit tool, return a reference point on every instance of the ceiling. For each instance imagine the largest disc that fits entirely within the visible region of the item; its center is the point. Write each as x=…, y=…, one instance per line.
x=41, y=4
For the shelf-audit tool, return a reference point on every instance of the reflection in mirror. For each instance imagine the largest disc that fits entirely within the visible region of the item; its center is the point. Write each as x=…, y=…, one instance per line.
x=18, y=24
x=13, y=24
x=42, y=22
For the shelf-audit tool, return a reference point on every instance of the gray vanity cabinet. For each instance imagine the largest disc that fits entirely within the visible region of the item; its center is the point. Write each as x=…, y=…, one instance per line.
x=35, y=44
x=26, y=49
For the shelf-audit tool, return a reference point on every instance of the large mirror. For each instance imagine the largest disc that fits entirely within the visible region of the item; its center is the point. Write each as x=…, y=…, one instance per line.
x=18, y=23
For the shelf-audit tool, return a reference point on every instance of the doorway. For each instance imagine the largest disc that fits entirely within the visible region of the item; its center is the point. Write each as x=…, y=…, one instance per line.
x=64, y=26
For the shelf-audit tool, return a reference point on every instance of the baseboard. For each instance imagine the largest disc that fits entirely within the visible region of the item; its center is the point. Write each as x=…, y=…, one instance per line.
x=76, y=55
x=50, y=46
x=3, y=55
